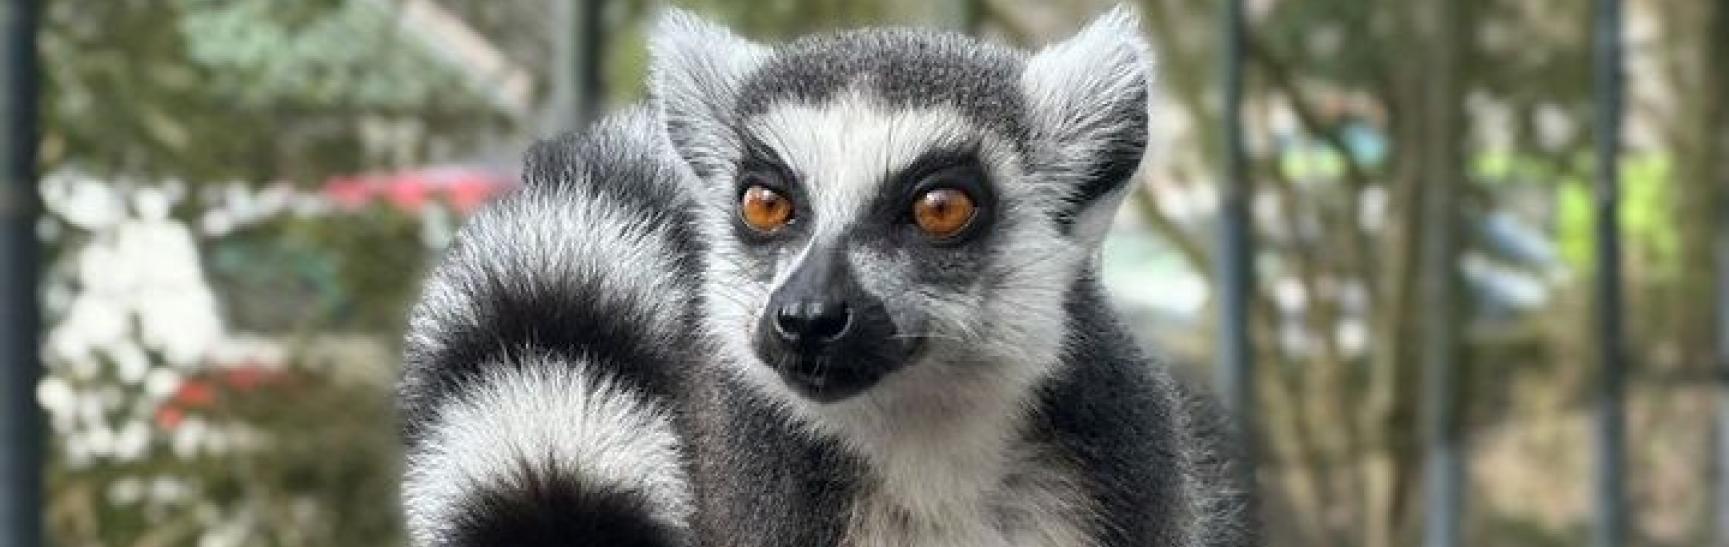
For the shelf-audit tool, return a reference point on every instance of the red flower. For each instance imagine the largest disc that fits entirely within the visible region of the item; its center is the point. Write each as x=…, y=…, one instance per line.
x=350, y=193
x=464, y=189
x=194, y=394
x=169, y=417
x=470, y=191
x=407, y=192
x=249, y=377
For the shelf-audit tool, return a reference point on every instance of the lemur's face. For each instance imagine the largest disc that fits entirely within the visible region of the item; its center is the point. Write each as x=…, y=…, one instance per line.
x=894, y=207
x=861, y=237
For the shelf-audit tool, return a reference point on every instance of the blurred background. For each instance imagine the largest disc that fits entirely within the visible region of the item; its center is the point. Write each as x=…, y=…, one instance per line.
x=238, y=198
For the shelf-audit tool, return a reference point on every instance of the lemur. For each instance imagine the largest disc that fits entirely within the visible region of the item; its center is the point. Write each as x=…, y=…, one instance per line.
x=838, y=291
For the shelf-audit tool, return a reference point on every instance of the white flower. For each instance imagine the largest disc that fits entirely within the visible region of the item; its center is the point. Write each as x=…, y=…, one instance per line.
x=99, y=439
x=189, y=437
x=152, y=204
x=168, y=490
x=82, y=201
x=160, y=383
x=92, y=321
x=55, y=396
x=130, y=361
x=132, y=442
x=125, y=491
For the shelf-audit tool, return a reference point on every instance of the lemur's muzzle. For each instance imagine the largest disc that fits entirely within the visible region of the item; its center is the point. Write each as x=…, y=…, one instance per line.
x=825, y=336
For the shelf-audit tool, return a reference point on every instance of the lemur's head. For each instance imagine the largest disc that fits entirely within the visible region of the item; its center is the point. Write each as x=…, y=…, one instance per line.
x=896, y=206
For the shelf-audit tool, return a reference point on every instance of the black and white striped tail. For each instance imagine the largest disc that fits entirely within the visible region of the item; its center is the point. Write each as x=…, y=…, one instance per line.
x=545, y=452
x=536, y=381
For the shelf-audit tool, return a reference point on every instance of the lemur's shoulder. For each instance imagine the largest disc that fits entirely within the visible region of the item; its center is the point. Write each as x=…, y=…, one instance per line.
x=1149, y=440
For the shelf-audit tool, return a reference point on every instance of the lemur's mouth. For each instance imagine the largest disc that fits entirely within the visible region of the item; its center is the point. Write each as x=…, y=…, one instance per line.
x=838, y=373
x=821, y=381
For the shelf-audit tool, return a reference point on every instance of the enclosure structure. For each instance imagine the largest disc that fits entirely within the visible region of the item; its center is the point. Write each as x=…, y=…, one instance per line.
x=21, y=446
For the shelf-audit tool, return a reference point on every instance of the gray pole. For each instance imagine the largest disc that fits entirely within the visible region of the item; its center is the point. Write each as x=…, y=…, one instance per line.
x=579, y=37
x=1722, y=368
x=1235, y=246
x=1610, y=416
x=1442, y=143
x=20, y=420
x=1719, y=33
x=960, y=15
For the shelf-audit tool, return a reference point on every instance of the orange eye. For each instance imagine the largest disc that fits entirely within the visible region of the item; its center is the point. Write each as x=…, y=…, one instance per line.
x=764, y=209
x=944, y=212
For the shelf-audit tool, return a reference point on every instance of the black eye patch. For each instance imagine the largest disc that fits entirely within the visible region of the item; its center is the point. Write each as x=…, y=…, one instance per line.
x=958, y=167
x=761, y=166
x=936, y=161
x=760, y=159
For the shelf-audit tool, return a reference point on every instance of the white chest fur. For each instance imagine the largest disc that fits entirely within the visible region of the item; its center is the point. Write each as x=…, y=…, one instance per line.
x=948, y=463
x=1028, y=499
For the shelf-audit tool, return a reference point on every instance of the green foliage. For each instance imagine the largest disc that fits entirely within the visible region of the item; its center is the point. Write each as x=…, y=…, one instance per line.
x=264, y=54
x=1338, y=40
x=626, y=58
x=1648, y=226
x=329, y=474
x=353, y=272
x=256, y=90
x=323, y=475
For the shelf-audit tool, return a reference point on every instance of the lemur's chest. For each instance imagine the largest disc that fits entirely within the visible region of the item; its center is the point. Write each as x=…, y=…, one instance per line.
x=1028, y=503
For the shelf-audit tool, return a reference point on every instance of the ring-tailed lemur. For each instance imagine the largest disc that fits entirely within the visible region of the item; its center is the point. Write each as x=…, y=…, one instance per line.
x=840, y=291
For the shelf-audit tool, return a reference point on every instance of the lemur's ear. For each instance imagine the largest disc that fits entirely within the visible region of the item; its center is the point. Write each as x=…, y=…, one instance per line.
x=695, y=71
x=1088, y=102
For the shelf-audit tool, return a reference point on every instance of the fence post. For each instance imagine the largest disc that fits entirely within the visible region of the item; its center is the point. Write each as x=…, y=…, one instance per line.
x=1610, y=416
x=1718, y=30
x=20, y=420
x=579, y=36
x=959, y=15
x=1442, y=145
x=1721, y=370
x=1235, y=283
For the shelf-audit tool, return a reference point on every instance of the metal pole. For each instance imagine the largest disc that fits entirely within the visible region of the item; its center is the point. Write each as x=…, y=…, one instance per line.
x=1443, y=129
x=20, y=419
x=1722, y=368
x=580, y=37
x=1235, y=252
x=960, y=15
x=1719, y=48
x=1610, y=416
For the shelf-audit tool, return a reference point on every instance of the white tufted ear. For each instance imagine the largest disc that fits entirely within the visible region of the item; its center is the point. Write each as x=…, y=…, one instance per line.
x=695, y=71
x=1088, y=101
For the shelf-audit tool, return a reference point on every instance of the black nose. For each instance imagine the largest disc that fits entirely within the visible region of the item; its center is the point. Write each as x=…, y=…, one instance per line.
x=812, y=323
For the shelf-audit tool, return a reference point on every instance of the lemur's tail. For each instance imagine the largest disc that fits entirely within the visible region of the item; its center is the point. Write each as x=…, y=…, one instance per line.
x=536, y=387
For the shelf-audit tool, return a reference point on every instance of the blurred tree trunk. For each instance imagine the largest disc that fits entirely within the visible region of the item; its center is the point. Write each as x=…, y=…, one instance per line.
x=1701, y=147
x=1446, y=177
x=1425, y=115
x=1697, y=142
x=1698, y=43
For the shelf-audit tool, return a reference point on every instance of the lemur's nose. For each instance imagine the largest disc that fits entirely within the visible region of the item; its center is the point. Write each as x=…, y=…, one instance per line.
x=814, y=322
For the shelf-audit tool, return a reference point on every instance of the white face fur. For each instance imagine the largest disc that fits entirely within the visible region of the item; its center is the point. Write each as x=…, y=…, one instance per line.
x=997, y=329
x=939, y=329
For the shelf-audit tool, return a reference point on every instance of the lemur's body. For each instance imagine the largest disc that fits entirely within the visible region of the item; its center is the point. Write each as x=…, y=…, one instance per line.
x=757, y=316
